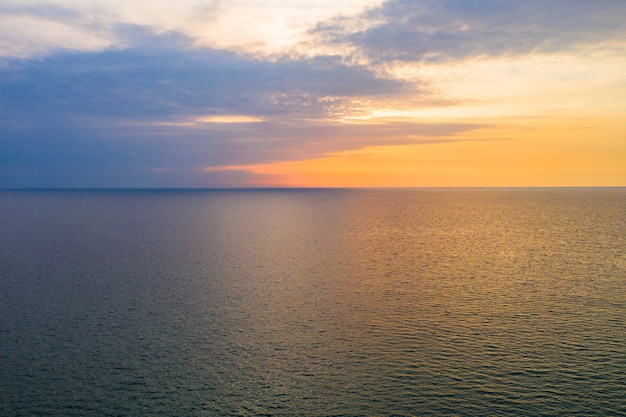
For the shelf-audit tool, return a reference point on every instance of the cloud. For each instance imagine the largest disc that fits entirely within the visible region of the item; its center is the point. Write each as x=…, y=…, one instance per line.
x=109, y=100
x=146, y=81
x=30, y=29
x=450, y=30
x=41, y=27
x=163, y=108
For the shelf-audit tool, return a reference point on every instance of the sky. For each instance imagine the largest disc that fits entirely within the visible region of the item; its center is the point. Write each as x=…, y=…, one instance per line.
x=317, y=93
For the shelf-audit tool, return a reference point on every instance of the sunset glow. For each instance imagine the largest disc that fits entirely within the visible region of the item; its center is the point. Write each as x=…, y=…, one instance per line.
x=356, y=94
x=563, y=157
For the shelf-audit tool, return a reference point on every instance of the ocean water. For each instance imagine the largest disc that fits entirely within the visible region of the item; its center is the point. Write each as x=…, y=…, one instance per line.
x=313, y=302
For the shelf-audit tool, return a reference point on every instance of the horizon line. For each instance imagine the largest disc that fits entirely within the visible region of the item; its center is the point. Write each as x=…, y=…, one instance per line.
x=299, y=188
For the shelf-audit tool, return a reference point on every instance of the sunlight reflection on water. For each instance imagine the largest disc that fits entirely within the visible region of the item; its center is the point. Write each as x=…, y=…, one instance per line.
x=318, y=302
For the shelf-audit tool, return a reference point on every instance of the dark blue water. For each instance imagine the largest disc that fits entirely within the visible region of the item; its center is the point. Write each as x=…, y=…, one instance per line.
x=313, y=302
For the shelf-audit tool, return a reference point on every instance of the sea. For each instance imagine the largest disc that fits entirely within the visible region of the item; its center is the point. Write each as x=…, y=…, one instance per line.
x=313, y=302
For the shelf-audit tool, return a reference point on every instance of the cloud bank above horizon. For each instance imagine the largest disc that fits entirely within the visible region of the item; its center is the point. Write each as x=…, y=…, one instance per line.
x=400, y=93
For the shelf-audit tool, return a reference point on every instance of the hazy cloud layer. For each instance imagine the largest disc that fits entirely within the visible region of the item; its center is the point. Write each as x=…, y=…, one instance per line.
x=165, y=77
x=155, y=110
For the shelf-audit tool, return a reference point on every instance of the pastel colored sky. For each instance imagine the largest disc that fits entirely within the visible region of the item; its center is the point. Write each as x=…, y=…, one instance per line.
x=350, y=93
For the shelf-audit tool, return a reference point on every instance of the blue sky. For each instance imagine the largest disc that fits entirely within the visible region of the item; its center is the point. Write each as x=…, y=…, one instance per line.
x=243, y=93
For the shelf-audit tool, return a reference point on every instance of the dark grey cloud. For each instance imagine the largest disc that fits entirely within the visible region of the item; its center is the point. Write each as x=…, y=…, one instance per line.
x=447, y=30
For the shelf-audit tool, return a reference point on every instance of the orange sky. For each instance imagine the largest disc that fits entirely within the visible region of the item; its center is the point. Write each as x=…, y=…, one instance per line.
x=557, y=120
x=538, y=152
x=357, y=93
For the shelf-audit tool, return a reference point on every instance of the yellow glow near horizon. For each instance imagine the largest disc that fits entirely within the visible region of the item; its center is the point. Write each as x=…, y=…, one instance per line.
x=551, y=121
x=229, y=118
x=196, y=122
x=554, y=126
x=562, y=153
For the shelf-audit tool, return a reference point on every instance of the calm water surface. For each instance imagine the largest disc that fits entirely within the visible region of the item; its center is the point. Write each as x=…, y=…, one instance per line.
x=313, y=302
